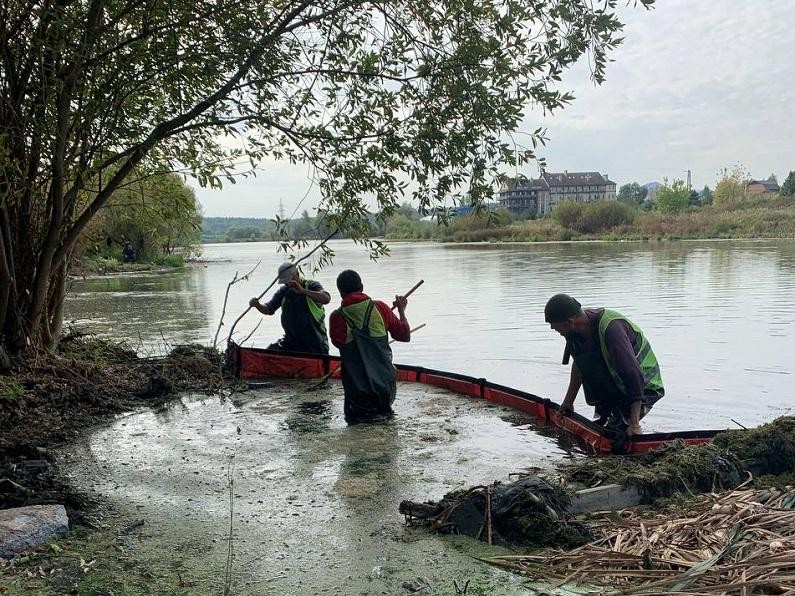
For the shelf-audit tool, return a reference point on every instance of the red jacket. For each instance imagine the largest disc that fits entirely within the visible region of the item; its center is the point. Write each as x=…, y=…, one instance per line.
x=338, y=329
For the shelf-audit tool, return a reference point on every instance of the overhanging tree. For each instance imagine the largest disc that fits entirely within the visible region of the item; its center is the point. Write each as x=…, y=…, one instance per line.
x=385, y=100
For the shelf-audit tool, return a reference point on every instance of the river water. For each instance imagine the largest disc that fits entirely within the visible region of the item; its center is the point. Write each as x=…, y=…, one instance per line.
x=719, y=315
x=312, y=503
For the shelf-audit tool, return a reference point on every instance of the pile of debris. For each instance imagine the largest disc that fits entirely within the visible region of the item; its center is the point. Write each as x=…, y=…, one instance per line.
x=48, y=397
x=741, y=542
x=672, y=468
x=766, y=452
x=527, y=512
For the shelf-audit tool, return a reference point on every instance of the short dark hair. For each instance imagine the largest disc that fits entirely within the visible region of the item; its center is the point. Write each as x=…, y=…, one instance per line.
x=349, y=281
x=561, y=307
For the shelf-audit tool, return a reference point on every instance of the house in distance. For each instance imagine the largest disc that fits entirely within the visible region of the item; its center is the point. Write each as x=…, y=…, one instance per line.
x=762, y=186
x=544, y=193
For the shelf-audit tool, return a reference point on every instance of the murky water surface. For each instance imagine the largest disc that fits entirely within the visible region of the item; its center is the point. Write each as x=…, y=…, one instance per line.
x=720, y=315
x=315, y=502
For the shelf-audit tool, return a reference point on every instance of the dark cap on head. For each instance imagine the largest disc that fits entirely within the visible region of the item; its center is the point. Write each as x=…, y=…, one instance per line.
x=349, y=281
x=560, y=308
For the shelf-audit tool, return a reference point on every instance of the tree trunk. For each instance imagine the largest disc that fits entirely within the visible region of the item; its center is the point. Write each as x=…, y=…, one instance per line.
x=12, y=336
x=6, y=279
x=56, y=304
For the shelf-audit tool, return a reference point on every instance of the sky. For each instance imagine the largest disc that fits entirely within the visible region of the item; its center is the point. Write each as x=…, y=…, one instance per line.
x=695, y=85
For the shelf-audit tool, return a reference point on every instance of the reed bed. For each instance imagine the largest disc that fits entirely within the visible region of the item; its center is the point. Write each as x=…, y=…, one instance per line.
x=739, y=542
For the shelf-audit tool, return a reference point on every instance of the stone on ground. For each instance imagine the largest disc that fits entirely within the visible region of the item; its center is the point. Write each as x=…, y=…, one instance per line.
x=24, y=528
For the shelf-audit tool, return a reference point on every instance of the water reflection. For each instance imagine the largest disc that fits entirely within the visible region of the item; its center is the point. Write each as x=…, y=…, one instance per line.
x=148, y=310
x=720, y=315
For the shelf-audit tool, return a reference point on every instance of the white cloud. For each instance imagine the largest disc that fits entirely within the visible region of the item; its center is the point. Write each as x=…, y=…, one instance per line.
x=696, y=85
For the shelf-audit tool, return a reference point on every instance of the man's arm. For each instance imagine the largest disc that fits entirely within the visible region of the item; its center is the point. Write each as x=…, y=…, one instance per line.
x=314, y=291
x=337, y=329
x=272, y=305
x=263, y=308
x=634, y=417
x=398, y=326
x=575, y=382
x=622, y=353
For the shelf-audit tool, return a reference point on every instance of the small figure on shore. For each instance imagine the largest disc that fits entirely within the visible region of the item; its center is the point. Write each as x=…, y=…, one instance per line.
x=128, y=253
x=613, y=362
x=360, y=328
x=303, y=315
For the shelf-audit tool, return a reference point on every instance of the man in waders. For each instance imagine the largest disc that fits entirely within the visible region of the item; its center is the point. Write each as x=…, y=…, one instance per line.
x=303, y=316
x=613, y=362
x=360, y=328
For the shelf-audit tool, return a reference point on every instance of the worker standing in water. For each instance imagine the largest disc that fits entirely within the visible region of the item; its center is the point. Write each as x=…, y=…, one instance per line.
x=613, y=362
x=360, y=328
x=303, y=315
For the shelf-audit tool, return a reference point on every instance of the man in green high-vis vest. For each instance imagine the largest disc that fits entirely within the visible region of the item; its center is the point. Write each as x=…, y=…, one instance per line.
x=613, y=363
x=303, y=315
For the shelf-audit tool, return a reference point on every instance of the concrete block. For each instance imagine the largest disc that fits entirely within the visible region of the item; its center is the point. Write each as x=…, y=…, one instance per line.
x=609, y=497
x=24, y=528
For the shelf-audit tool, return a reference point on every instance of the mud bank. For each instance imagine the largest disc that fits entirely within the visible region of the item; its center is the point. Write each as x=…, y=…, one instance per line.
x=313, y=503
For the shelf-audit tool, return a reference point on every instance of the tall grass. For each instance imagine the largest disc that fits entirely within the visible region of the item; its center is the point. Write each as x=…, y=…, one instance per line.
x=756, y=217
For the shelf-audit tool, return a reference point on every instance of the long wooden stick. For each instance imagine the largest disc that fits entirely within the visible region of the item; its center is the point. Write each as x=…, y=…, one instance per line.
x=488, y=515
x=273, y=283
x=410, y=292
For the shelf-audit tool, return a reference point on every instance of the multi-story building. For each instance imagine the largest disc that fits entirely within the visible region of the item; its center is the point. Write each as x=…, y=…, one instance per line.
x=542, y=194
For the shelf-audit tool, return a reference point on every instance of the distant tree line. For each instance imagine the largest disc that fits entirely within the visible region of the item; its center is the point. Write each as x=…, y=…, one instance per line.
x=255, y=229
x=407, y=222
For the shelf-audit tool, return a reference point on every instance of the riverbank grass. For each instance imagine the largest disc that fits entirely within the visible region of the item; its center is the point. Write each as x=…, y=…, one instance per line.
x=613, y=221
x=101, y=265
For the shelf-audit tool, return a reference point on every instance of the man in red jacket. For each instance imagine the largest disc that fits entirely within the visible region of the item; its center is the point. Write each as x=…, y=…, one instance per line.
x=360, y=328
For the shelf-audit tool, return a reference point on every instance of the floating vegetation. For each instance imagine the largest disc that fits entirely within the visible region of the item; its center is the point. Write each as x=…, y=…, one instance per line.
x=765, y=450
x=671, y=469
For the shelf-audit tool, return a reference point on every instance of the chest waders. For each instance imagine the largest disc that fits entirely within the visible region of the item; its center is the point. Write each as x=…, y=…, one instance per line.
x=602, y=384
x=368, y=376
x=304, y=323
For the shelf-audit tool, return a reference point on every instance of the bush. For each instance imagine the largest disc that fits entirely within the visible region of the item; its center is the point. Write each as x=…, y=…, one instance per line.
x=590, y=218
x=605, y=215
x=100, y=263
x=568, y=214
x=169, y=261
x=674, y=197
x=730, y=188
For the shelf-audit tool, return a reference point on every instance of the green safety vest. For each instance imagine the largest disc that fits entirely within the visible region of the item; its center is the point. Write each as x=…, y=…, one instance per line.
x=356, y=313
x=650, y=368
x=317, y=310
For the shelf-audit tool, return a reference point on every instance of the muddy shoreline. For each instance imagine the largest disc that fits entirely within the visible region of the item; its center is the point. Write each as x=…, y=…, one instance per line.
x=104, y=460
x=312, y=504
x=51, y=399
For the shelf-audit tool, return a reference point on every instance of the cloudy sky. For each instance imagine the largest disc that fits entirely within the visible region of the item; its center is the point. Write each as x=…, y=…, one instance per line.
x=696, y=85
